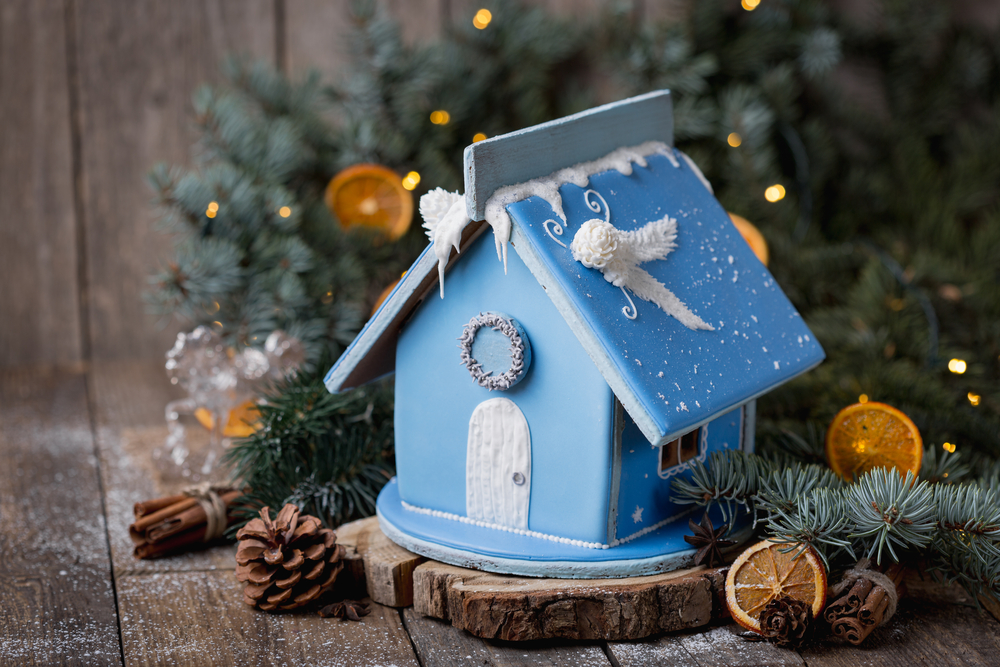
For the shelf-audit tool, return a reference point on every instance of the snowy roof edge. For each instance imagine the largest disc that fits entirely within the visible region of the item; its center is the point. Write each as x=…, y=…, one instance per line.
x=543, y=149
x=507, y=159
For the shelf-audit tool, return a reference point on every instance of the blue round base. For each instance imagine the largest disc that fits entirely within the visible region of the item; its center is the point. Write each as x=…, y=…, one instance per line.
x=483, y=548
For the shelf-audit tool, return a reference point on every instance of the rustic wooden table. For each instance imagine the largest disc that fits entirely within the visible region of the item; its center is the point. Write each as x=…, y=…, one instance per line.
x=75, y=447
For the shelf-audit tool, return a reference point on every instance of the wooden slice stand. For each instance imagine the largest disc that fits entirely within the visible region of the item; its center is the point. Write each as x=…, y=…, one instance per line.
x=495, y=606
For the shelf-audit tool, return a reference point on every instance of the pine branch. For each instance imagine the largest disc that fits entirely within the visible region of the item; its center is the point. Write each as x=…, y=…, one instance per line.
x=957, y=526
x=943, y=466
x=330, y=454
x=889, y=510
x=781, y=488
x=818, y=519
x=727, y=479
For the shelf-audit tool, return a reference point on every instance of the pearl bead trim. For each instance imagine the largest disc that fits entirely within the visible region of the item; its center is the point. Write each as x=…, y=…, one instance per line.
x=531, y=533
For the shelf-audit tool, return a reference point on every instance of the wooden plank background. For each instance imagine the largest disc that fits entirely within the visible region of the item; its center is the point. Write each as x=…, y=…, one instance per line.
x=57, y=600
x=77, y=450
x=92, y=95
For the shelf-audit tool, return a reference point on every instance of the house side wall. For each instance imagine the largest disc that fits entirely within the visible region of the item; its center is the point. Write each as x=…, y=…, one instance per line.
x=644, y=498
x=567, y=404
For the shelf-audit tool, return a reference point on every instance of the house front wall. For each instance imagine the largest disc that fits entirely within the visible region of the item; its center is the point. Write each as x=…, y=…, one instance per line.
x=566, y=403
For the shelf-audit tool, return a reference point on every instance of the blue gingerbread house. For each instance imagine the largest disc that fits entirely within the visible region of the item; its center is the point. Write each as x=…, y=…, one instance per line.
x=546, y=397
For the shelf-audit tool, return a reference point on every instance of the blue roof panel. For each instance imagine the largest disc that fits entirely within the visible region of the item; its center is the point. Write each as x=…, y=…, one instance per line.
x=676, y=378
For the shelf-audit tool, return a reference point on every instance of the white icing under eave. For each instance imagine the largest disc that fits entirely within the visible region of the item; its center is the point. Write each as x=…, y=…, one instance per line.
x=444, y=213
x=445, y=220
x=547, y=187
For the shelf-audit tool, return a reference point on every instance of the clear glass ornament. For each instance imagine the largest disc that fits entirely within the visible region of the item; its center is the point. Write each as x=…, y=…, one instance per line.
x=219, y=378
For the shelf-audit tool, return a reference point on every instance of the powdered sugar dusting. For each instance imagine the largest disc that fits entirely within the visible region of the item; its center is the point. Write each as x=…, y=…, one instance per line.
x=200, y=618
x=719, y=645
x=132, y=475
x=57, y=604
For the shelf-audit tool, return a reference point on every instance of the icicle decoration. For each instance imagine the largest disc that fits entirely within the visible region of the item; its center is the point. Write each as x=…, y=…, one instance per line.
x=444, y=219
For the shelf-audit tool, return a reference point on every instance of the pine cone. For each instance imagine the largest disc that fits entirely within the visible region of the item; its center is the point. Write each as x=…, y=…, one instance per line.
x=786, y=622
x=287, y=562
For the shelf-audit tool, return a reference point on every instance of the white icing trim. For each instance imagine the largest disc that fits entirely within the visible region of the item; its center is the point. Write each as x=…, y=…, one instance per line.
x=547, y=187
x=697, y=172
x=655, y=526
x=566, y=569
x=681, y=467
x=629, y=311
x=507, y=529
x=593, y=205
x=498, y=464
x=543, y=536
x=556, y=227
x=445, y=219
x=507, y=327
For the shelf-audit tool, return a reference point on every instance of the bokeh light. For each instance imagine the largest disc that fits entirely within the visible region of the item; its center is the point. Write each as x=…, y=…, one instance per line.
x=775, y=193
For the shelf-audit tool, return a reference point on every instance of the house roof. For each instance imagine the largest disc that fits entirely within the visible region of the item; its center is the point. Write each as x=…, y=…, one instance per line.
x=670, y=378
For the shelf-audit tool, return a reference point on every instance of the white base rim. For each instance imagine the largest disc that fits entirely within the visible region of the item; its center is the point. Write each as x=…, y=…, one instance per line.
x=605, y=569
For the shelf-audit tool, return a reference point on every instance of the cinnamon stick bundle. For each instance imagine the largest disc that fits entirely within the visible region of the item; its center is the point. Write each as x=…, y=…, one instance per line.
x=865, y=601
x=178, y=522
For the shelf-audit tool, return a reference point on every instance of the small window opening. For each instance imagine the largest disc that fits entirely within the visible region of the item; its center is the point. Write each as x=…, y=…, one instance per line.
x=680, y=450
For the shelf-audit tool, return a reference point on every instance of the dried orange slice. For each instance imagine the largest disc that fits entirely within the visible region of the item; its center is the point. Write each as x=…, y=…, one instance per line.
x=371, y=196
x=871, y=435
x=752, y=236
x=763, y=573
x=242, y=422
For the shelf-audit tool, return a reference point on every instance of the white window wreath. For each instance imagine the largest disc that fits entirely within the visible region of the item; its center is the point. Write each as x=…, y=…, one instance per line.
x=520, y=354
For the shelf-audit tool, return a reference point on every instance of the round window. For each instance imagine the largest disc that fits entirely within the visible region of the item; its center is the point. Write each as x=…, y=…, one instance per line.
x=495, y=349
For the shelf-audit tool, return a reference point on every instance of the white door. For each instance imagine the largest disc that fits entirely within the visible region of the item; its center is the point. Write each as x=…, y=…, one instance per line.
x=498, y=464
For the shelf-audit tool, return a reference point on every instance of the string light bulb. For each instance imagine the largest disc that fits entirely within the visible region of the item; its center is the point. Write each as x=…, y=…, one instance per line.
x=483, y=18
x=957, y=366
x=734, y=139
x=974, y=398
x=775, y=193
x=411, y=180
x=750, y=5
x=479, y=136
x=285, y=211
x=440, y=117
x=948, y=447
x=212, y=210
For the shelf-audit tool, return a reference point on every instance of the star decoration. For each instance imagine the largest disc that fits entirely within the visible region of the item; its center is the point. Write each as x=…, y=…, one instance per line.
x=637, y=514
x=708, y=539
x=346, y=609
